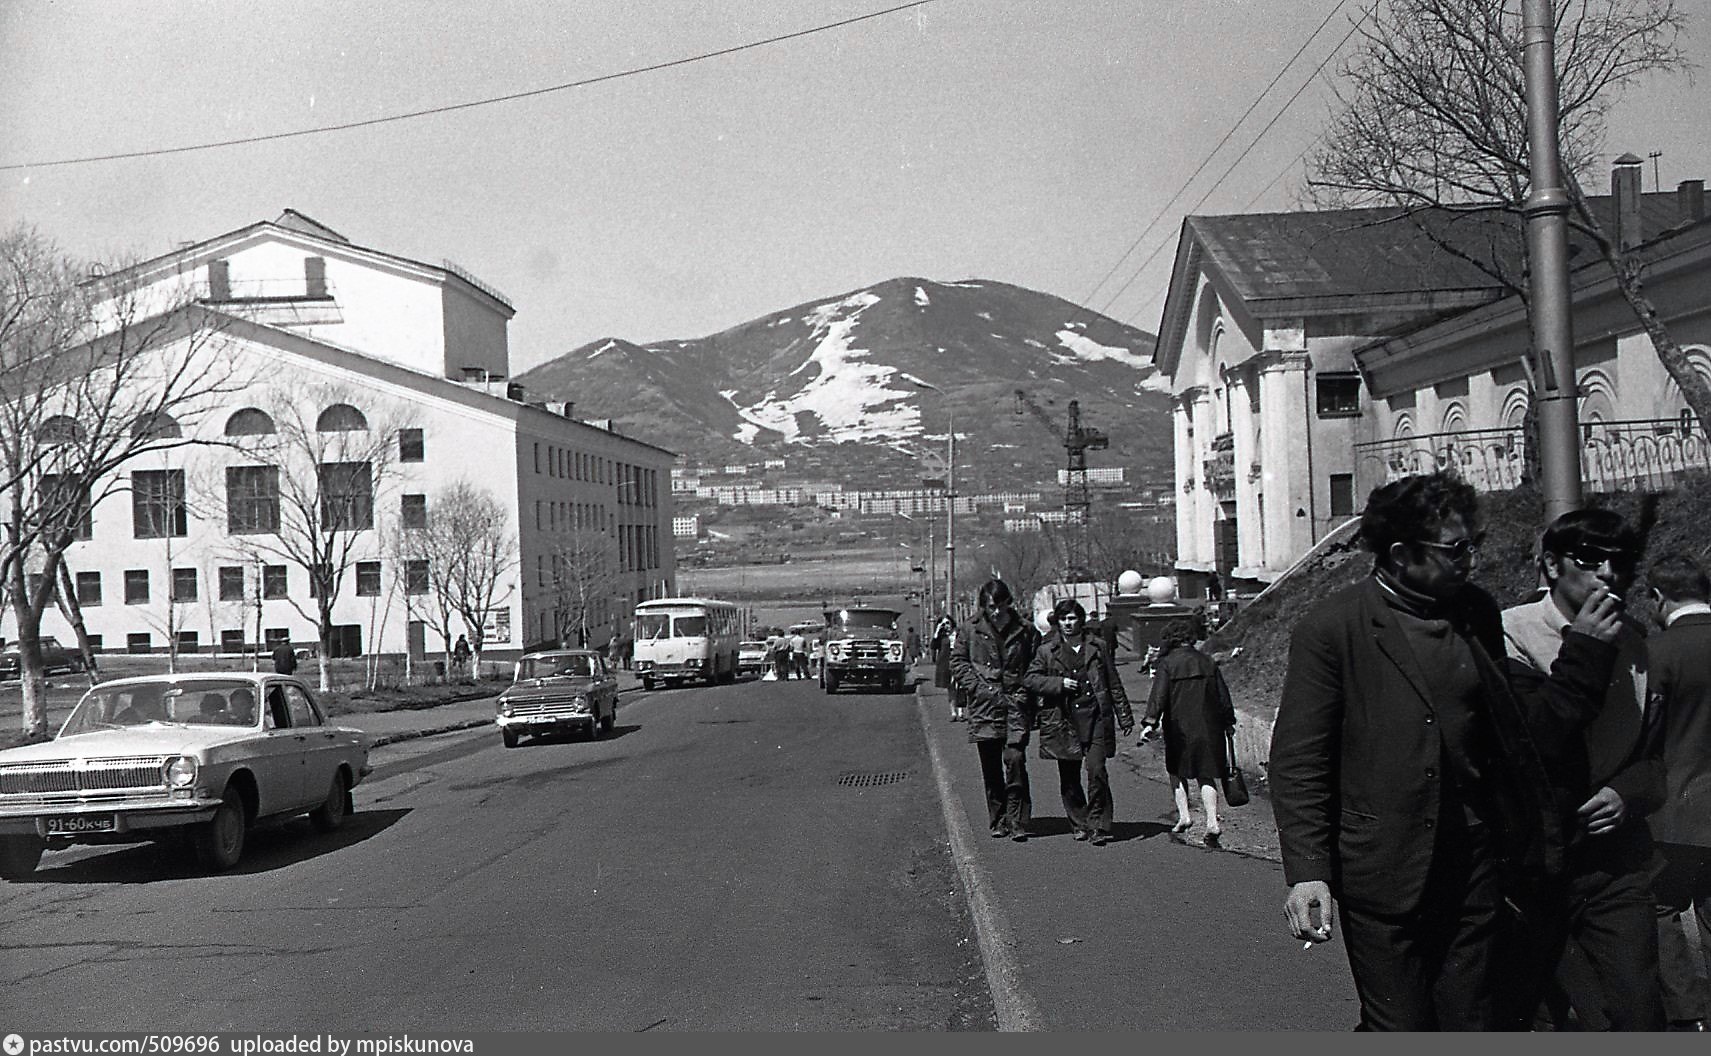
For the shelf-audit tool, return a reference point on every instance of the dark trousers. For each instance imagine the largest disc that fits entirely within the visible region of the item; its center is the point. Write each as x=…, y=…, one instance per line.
x=1683, y=889
x=1430, y=969
x=1091, y=810
x=1004, y=771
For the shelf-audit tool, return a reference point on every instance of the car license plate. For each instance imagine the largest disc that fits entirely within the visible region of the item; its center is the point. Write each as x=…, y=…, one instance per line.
x=76, y=823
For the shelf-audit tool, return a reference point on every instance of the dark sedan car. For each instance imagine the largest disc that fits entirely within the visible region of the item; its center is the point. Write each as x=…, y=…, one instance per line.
x=55, y=657
x=556, y=691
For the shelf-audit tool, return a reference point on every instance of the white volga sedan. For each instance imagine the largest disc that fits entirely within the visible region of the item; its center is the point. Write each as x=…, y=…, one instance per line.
x=203, y=755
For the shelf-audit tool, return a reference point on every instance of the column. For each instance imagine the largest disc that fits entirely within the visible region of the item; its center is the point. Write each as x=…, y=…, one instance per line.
x=1287, y=424
x=1250, y=547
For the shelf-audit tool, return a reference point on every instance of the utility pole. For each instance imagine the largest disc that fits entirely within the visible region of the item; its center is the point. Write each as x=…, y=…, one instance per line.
x=950, y=509
x=1546, y=210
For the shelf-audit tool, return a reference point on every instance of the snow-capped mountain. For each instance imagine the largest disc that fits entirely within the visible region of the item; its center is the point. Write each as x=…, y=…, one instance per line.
x=855, y=369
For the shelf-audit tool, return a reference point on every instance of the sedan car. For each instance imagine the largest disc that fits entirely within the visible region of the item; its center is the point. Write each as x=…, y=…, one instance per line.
x=203, y=755
x=55, y=657
x=557, y=691
x=752, y=658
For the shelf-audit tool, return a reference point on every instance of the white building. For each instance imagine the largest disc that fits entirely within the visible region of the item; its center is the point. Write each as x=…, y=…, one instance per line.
x=362, y=342
x=686, y=527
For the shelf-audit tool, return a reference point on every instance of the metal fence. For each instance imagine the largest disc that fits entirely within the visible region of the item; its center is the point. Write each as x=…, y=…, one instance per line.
x=1653, y=455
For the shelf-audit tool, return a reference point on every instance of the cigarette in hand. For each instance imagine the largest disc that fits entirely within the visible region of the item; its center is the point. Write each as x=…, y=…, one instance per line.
x=1307, y=945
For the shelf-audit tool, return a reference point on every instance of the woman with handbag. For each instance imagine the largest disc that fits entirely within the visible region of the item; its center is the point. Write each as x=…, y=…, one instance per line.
x=1078, y=719
x=1190, y=695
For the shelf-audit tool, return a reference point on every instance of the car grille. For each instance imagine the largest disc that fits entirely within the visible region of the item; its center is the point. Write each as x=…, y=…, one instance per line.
x=88, y=775
x=548, y=707
x=867, y=649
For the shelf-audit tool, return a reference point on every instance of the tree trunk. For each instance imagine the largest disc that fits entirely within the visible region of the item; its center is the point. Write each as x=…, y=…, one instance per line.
x=1693, y=387
x=73, y=611
x=32, y=681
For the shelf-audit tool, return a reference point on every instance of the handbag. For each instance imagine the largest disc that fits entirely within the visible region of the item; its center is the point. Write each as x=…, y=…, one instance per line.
x=1236, y=785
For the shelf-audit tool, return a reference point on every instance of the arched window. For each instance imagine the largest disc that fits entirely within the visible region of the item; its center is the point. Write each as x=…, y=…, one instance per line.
x=60, y=429
x=1597, y=397
x=156, y=425
x=1404, y=426
x=1455, y=418
x=1514, y=407
x=340, y=418
x=250, y=422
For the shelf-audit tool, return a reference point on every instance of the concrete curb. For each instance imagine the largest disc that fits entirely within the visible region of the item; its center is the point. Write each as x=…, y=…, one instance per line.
x=1015, y=1009
x=411, y=735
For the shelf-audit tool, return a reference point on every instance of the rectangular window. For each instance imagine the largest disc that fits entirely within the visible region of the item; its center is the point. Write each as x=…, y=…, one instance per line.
x=410, y=445
x=537, y=458
x=252, y=499
x=415, y=511
x=347, y=496
x=88, y=589
x=273, y=581
x=415, y=577
x=1342, y=494
x=231, y=641
x=65, y=504
x=1339, y=395
x=137, y=643
x=94, y=643
x=231, y=582
x=157, y=503
x=136, y=586
x=315, y=276
x=368, y=579
x=276, y=637
x=189, y=641
x=184, y=584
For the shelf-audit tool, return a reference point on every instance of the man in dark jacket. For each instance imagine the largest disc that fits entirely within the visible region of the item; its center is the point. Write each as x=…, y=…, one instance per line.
x=988, y=663
x=1398, y=793
x=284, y=658
x=1079, y=719
x=1599, y=921
x=1679, y=687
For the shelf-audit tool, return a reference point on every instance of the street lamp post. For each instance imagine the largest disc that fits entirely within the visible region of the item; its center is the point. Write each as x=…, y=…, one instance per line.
x=950, y=495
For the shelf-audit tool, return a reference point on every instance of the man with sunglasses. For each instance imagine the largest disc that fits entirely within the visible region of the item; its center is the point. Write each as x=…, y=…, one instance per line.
x=1405, y=774
x=1598, y=921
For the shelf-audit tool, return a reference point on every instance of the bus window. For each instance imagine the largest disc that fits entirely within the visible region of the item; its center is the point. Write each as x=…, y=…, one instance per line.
x=690, y=627
x=652, y=626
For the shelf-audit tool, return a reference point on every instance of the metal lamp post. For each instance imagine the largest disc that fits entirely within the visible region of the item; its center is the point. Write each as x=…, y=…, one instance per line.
x=950, y=495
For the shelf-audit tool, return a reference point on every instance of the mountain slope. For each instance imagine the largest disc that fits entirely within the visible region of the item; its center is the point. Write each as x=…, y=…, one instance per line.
x=820, y=382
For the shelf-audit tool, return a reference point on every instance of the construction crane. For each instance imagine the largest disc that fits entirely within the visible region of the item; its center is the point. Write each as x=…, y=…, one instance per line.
x=1077, y=441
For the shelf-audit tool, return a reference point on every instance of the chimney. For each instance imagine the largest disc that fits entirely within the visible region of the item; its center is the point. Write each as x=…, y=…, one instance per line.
x=1690, y=201
x=570, y=409
x=1625, y=201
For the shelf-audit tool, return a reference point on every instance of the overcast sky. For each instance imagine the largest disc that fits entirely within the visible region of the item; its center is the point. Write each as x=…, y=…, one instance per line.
x=1029, y=142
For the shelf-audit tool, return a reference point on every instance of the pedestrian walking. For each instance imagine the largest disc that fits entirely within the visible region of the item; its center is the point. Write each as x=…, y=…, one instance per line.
x=1397, y=792
x=1078, y=720
x=1596, y=930
x=989, y=661
x=944, y=638
x=911, y=646
x=1679, y=687
x=284, y=658
x=798, y=655
x=1192, y=703
x=460, y=655
x=780, y=656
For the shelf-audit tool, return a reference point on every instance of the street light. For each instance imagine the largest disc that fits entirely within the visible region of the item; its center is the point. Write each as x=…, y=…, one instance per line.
x=950, y=492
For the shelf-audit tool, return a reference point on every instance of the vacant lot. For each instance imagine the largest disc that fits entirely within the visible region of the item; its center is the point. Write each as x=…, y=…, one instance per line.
x=836, y=575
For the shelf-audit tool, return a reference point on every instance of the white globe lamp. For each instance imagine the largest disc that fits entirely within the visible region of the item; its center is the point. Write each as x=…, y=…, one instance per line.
x=1129, y=582
x=1161, y=590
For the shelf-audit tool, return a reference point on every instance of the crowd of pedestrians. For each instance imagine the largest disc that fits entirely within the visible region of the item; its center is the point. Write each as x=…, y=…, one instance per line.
x=1469, y=794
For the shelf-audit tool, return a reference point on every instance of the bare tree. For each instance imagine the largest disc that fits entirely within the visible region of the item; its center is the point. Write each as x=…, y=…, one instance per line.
x=1025, y=561
x=584, y=576
x=424, y=565
x=480, y=549
x=307, y=496
x=95, y=372
x=1431, y=119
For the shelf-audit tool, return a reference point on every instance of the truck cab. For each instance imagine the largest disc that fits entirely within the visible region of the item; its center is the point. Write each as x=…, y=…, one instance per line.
x=863, y=647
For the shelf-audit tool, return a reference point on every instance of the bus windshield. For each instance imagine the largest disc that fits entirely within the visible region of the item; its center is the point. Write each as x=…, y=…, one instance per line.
x=689, y=627
x=652, y=625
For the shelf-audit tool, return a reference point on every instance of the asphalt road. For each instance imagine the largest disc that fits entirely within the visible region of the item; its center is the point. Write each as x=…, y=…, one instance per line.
x=755, y=857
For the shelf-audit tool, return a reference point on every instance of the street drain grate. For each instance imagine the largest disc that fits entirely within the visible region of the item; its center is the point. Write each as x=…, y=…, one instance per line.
x=870, y=780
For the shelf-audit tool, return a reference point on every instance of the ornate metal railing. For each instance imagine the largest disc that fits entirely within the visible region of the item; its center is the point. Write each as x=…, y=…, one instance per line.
x=1614, y=456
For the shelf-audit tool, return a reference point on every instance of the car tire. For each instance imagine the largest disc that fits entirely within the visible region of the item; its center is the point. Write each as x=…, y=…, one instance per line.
x=608, y=723
x=19, y=856
x=509, y=736
x=595, y=729
x=831, y=684
x=335, y=808
x=220, y=840
x=648, y=684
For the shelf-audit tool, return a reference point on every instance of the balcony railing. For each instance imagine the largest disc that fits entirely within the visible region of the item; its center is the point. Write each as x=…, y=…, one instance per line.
x=1614, y=456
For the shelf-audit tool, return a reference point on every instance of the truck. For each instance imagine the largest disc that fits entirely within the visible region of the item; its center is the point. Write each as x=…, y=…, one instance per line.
x=863, y=647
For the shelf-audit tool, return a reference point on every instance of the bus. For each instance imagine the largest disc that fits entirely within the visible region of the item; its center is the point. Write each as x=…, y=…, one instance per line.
x=680, y=639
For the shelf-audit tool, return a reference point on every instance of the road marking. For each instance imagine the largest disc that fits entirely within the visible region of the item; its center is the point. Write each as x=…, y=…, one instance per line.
x=1015, y=1008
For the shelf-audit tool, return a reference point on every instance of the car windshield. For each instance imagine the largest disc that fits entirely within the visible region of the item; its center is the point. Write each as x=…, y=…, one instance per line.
x=211, y=702
x=867, y=619
x=576, y=665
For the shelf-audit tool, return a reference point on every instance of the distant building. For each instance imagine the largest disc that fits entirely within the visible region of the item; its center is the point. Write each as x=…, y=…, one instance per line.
x=1101, y=476
x=686, y=527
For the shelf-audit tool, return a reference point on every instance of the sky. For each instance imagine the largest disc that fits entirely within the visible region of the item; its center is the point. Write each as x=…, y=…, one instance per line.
x=1022, y=141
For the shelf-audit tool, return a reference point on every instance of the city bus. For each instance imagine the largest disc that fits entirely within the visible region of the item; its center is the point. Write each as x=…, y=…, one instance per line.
x=680, y=639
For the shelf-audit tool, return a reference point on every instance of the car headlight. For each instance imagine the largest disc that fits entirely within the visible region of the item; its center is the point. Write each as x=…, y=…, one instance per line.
x=179, y=771
x=504, y=706
x=896, y=649
x=579, y=703
x=834, y=649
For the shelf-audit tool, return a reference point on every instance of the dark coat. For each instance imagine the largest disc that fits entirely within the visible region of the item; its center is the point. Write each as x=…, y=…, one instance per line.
x=1190, y=693
x=284, y=658
x=1356, y=752
x=989, y=667
x=1680, y=691
x=1070, y=722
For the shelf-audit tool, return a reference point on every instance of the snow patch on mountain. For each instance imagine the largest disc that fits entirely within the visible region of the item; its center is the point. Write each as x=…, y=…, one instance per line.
x=603, y=349
x=921, y=297
x=1091, y=351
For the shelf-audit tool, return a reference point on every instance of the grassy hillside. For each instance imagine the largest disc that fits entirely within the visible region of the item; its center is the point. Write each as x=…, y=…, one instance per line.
x=1677, y=520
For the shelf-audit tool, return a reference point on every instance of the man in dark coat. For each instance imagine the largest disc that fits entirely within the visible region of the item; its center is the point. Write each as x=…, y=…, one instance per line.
x=1079, y=719
x=1399, y=794
x=989, y=663
x=1596, y=930
x=284, y=658
x=1679, y=684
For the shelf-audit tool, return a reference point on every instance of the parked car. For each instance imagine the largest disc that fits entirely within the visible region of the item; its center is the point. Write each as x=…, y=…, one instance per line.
x=55, y=657
x=207, y=755
x=555, y=691
x=863, y=646
x=751, y=658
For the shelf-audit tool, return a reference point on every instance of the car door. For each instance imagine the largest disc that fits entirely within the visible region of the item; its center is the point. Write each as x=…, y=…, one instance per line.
x=279, y=754
x=605, y=690
x=320, y=745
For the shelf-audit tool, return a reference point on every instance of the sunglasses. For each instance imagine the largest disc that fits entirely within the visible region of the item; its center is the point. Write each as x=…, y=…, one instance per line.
x=1461, y=549
x=1588, y=559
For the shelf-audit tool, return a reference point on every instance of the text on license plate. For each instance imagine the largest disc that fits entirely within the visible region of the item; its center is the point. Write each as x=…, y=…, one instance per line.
x=82, y=823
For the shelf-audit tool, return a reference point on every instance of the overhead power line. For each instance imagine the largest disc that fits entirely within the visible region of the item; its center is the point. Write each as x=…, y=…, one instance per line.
x=473, y=103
